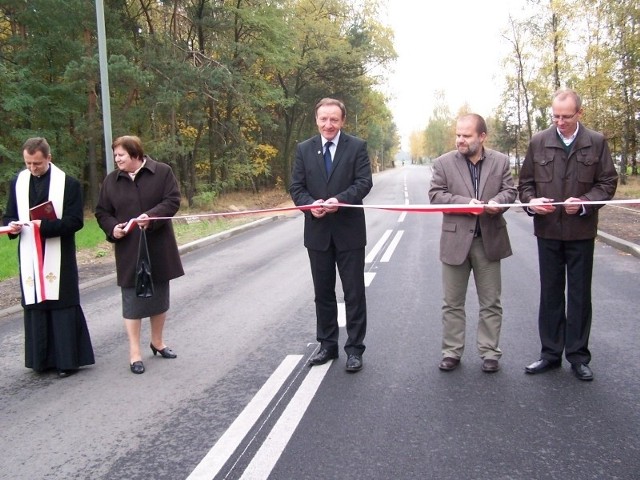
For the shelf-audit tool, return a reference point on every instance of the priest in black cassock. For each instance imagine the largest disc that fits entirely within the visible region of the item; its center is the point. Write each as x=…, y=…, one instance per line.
x=56, y=333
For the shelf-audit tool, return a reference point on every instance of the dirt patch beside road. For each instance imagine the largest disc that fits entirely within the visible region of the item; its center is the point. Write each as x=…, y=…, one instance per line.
x=621, y=221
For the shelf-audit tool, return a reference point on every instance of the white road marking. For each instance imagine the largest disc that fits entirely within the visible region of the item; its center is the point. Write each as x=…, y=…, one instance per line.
x=368, y=278
x=270, y=451
x=342, y=315
x=213, y=461
x=378, y=246
x=392, y=246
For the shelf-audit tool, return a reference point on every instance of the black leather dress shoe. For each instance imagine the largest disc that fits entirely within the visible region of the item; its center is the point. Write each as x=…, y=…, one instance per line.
x=582, y=371
x=322, y=357
x=66, y=373
x=137, y=367
x=542, y=366
x=354, y=363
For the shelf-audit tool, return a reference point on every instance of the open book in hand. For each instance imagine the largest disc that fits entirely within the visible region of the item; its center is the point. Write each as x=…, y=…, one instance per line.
x=43, y=211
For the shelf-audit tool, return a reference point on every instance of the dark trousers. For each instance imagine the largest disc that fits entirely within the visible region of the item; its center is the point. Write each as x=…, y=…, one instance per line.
x=351, y=269
x=565, y=324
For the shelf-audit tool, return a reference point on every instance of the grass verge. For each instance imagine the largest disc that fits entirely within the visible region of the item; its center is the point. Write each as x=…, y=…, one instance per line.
x=91, y=243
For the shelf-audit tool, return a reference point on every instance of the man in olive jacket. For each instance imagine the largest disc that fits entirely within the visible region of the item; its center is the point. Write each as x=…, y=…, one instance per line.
x=566, y=163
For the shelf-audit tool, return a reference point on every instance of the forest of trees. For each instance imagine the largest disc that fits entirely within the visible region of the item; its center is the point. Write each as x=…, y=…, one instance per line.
x=221, y=90
x=592, y=46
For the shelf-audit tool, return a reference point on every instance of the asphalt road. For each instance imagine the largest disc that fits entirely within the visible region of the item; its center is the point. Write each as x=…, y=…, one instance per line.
x=239, y=402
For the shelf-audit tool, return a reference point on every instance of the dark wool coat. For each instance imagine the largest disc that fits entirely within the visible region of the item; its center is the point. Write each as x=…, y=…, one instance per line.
x=65, y=228
x=586, y=172
x=154, y=192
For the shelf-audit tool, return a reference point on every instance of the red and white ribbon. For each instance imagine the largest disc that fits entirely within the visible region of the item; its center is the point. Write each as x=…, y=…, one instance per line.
x=424, y=208
x=419, y=208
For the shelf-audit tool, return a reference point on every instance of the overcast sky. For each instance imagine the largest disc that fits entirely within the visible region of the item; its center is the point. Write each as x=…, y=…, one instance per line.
x=455, y=46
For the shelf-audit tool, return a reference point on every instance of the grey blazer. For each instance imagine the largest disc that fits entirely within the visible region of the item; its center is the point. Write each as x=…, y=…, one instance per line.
x=451, y=184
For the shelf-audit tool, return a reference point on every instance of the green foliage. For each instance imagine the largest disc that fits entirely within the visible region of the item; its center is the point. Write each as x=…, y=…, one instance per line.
x=204, y=199
x=219, y=90
x=592, y=46
x=440, y=131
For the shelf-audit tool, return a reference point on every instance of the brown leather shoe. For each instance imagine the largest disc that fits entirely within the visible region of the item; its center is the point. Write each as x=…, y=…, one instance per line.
x=490, y=365
x=449, y=363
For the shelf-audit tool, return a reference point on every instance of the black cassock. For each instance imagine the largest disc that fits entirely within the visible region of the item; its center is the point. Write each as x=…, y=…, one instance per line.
x=56, y=333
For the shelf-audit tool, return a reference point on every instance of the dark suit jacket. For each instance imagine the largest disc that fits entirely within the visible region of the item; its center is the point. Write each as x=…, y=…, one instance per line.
x=451, y=183
x=349, y=182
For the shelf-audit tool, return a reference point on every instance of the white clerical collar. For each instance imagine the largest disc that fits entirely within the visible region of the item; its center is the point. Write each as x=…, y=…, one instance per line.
x=568, y=140
x=45, y=172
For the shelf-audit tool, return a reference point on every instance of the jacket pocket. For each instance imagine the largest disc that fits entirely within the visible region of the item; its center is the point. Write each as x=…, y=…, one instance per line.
x=543, y=168
x=587, y=165
x=449, y=227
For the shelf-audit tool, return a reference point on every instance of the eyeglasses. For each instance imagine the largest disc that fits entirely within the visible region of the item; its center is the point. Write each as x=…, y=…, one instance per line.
x=557, y=118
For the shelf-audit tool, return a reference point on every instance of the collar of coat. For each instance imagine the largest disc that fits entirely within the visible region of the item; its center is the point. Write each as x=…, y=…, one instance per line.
x=150, y=165
x=583, y=139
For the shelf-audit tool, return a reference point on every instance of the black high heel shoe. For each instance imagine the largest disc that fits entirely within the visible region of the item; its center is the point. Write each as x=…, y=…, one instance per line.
x=137, y=367
x=166, y=352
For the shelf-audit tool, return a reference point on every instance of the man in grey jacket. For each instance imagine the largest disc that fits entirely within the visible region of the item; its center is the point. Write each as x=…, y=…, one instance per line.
x=572, y=164
x=472, y=175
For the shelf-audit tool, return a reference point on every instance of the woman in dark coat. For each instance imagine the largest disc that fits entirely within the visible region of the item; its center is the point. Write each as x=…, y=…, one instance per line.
x=141, y=189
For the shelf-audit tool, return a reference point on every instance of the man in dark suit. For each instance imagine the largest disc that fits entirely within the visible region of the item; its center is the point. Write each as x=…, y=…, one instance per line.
x=566, y=163
x=333, y=168
x=473, y=175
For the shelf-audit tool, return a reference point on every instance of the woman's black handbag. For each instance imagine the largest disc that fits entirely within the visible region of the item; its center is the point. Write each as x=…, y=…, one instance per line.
x=144, y=282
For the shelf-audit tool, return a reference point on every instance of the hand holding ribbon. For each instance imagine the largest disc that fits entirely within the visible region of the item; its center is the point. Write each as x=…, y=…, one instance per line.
x=321, y=207
x=542, y=205
x=319, y=210
x=572, y=205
